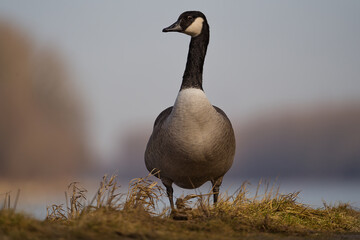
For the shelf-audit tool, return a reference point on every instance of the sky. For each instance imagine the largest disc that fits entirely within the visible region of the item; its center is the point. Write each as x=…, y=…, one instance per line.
x=262, y=56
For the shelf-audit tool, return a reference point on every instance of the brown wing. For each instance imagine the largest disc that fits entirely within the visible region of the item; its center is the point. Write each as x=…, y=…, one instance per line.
x=162, y=116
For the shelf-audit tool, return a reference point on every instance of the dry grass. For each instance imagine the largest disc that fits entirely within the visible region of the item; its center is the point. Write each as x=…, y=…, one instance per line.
x=137, y=215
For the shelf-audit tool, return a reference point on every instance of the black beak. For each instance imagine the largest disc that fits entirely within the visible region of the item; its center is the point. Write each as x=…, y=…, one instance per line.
x=173, y=28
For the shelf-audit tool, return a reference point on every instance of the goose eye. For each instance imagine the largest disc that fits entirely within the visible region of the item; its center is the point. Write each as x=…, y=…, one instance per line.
x=190, y=17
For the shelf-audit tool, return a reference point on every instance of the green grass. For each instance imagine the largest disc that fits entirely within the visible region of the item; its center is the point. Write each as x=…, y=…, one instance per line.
x=136, y=215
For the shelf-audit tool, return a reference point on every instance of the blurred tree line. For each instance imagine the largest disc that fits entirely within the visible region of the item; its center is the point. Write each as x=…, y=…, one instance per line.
x=311, y=142
x=41, y=119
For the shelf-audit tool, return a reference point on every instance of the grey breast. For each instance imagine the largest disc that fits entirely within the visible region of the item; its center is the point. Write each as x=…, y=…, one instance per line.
x=192, y=142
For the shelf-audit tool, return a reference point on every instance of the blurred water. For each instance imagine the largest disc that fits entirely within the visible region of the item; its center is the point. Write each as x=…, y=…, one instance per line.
x=313, y=193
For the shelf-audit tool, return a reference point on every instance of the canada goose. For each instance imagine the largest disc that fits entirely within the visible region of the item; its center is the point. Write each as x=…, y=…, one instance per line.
x=193, y=141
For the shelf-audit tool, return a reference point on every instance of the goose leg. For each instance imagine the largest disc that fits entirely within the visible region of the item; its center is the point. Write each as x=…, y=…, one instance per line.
x=169, y=190
x=216, y=188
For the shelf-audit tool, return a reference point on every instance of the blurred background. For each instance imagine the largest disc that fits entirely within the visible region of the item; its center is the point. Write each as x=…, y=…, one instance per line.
x=81, y=83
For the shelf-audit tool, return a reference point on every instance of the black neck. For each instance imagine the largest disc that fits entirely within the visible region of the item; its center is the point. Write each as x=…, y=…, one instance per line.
x=192, y=77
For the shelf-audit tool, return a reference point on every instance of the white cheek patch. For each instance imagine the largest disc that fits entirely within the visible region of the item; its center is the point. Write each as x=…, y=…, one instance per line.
x=195, y=28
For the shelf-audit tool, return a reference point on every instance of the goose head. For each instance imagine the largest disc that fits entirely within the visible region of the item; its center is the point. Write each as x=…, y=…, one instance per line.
x=191, y=23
